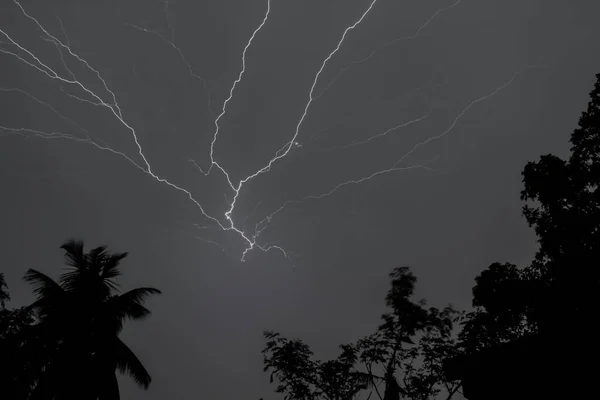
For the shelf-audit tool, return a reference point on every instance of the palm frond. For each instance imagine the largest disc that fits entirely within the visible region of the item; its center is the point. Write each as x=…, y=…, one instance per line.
x=110, y=265
x=96, y=255
x=74, y=254
x=130, y=304
x=139, y=295
x=128, y=363
x=75, y=278
x=43, y=285
x=96, y=269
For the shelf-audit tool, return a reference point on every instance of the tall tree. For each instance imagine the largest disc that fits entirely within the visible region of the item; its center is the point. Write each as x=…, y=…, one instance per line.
x=75, y=346
x=556, y=293
x=564, y=209
x=555, y=297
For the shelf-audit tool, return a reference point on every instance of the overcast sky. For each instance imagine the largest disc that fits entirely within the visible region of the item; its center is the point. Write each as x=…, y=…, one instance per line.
x=516, y=72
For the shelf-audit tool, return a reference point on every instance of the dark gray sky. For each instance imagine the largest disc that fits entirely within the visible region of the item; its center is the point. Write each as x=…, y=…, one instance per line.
x=448, y=222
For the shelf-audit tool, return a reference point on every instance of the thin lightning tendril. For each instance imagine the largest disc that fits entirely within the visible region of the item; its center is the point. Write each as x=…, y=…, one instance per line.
x=220, y=246
x=181, y=55
x=263, y=224
x=385, y=45
x=385, y=133
x=27, y=132
x=48, y=105
x=462, y=113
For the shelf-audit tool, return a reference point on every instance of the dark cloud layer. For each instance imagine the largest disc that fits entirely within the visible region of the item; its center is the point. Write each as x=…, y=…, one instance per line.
x=204, y=338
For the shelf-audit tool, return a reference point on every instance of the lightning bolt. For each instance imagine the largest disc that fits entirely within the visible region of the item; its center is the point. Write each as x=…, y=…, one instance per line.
x=286, y=148
x=107, y=100
x=282, y=152
x=113, y=107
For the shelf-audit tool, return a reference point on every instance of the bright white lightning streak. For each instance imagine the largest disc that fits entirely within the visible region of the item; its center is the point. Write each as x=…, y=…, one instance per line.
x=112, y=107
x=116, y=111
x=280, y=154
x=263, y=224
x=62, y=58
x=81, y=99
x=311, y=97
x=118, y=114
x=68, y=48
x=214, y=163
x=413, y=36
x=385, y=133
x=53, y=75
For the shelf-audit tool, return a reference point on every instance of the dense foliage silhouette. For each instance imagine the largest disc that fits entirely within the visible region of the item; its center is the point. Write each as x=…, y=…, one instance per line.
x=530, y=313
x=72, y=350
x=4, y=295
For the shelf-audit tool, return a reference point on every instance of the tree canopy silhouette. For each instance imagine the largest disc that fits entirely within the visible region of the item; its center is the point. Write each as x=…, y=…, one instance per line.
x=557, y=292
x=402, y=359
x=566, y=218
x=73, y=350
x=529, y=312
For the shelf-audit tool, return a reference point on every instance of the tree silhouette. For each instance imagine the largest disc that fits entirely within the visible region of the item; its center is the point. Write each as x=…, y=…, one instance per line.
x=4, y=295
x=74, y=349
x=12, y=323
x=566, y=218
x=557, y=292
x=502, y=303
x=404, y=356
x=523, y=316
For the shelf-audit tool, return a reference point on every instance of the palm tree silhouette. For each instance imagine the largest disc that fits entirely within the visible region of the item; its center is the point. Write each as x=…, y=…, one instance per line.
x=75, y=342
